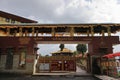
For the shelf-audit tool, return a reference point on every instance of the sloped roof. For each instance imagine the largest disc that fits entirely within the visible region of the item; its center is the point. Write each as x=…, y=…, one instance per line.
x=15, y=17
x=65, y=50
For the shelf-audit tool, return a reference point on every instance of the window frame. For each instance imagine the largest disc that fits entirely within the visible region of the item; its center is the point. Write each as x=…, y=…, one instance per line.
x=7, y=19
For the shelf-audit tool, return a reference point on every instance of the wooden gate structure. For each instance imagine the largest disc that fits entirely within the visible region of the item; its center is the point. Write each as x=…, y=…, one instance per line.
x=19, y=36
x=56, y=64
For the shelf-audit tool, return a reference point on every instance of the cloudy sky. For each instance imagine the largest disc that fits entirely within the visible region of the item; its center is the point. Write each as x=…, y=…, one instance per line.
x=46, y=49
x=65, y=11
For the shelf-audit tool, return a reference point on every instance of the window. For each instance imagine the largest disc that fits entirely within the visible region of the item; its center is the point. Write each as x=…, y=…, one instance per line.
x=13, y=21
x=7, y=20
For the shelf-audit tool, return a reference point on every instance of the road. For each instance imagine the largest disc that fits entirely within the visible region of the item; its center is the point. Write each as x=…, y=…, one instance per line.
x=47, y=78
x=78, y=75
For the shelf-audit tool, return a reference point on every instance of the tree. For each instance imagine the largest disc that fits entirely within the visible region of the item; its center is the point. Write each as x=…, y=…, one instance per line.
x=75, y=53
x=81, y=48
x=61, y=47
x=47, y=55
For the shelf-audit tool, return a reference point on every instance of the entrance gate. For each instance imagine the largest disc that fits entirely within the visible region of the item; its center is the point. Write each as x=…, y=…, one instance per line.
x=56, y=64
x=29, y=35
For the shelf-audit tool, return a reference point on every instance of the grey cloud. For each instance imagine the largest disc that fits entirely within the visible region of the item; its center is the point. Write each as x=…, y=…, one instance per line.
x=44, y=10
x=40, y=8
x=81, y=11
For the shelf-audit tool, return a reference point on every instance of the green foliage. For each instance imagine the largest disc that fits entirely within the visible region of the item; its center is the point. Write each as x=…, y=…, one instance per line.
x=81, y=48
x=47, y=55
x=61, y=47
x=75, y=53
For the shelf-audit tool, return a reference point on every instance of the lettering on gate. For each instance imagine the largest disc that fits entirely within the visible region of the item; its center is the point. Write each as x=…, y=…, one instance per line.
x=62, y=39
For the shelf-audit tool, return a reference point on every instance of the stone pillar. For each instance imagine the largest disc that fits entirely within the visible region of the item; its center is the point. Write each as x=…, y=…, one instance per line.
x=26, y=33
x=20, y=32
x=15, y=32
x=8, y=31
x=53, y=32
x=109, y=31
x=88, y=32
x=33, y=31
x=36, y=33
x=72, y=31
x=103, y=33
x=92, y=31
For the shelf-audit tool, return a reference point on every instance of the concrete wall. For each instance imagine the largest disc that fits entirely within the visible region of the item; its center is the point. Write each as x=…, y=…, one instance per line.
x=15, y=62
x=2, y=62
x=29, y=63
x=16, y=68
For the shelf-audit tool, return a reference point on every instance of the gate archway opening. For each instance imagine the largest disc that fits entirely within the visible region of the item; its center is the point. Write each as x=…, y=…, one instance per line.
x=70, y=40
x=52, y=49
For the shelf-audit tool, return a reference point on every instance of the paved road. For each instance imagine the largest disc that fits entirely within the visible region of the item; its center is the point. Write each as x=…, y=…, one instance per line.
x=47, y=78
x=78, y=75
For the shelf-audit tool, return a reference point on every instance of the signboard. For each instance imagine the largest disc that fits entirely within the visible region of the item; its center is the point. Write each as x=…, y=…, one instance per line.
x=44, y=67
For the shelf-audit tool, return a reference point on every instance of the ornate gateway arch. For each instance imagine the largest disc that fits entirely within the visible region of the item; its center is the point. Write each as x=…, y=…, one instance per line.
x=18, y=41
